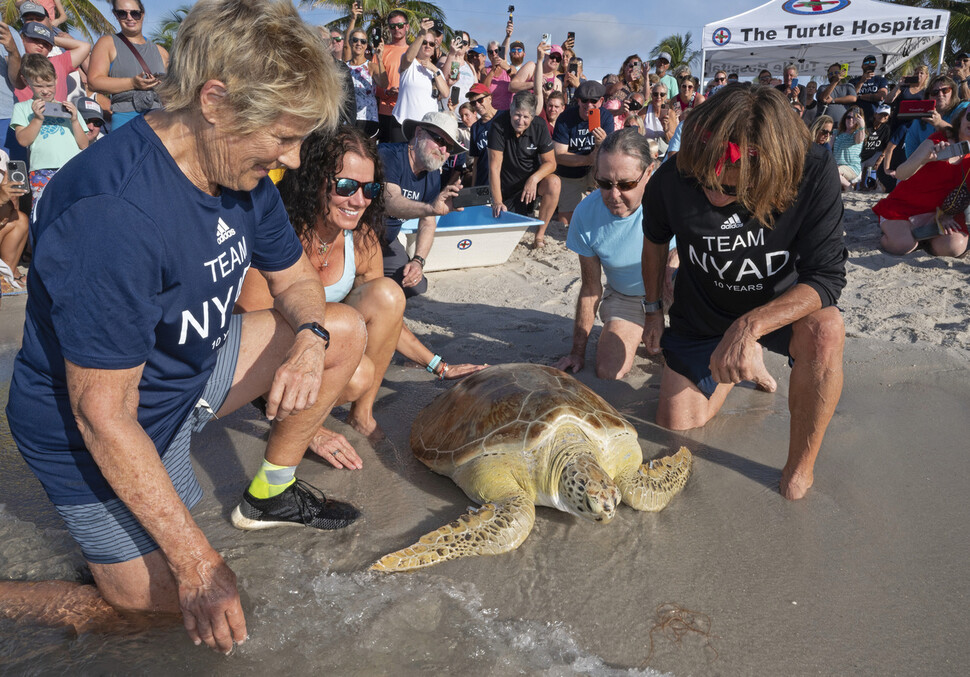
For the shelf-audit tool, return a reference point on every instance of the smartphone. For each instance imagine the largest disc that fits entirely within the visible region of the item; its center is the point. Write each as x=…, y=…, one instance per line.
x=954, y=150
x=633, y=104
x=571, y=36
x=845, y=70
x=455, y=91
x=17, y=171
x=55, y=109
x=794, y=83
x=911, y=80
x=472, y=197
x=574, y=68
x=546, y=38
x=358, y=4
x=457, y=42
x=375, y=36
x=594, y=119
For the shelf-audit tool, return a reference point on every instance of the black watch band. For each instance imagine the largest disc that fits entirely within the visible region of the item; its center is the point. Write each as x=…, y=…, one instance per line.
x=419, y=259
x=318, y=330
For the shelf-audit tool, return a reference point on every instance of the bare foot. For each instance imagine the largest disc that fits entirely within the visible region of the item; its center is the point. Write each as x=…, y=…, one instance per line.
x=794, y=485
x=335, y=449
x=764, y=381
x=367, y=427
x=539, y=242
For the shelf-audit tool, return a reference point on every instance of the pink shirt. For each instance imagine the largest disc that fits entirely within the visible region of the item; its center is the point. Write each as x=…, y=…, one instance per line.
x=501, y=96
x=63, y=66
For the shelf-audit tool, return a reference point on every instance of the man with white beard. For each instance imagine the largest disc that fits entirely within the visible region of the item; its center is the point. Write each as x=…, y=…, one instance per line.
x=413, y=189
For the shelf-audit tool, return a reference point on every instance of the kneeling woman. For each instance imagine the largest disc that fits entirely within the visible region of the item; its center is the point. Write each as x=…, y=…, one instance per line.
x=336, y=204
x=930, y=192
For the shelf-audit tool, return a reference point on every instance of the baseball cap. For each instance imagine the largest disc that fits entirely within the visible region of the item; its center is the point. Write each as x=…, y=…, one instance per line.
x=37, y=31
x=90, y=109
x=32, y=8
x=883, y=109
x=664, y=55
x=555, y=49
x=477, y=88
x=478, y=49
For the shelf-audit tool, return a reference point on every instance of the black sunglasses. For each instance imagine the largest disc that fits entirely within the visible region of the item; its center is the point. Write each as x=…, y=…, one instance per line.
x=624, y=186
x=589, y=100
x=347, y=187
x=400, y=24
x=437, y=138
x=477, y=100
x=555, y=57
x=358, y=41
x=96, y=122
x=135, y=14
x=730, y=191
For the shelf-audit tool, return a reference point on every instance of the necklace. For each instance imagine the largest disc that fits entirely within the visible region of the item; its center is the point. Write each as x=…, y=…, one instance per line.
x=324, y=248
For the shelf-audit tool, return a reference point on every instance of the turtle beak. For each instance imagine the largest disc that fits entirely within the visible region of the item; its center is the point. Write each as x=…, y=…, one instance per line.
x=602, y=504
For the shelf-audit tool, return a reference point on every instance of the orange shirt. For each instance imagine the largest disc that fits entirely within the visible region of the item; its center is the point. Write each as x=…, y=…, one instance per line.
x=392, y=62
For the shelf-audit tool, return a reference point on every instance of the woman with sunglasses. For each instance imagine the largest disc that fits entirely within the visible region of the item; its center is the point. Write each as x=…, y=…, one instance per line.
x=601, y=231
x=335, y=202
x=661, y=119
x=822, y=130
x=847, y=147
x=949, y=108
x=687, y=97
x=931, y=193
x=757, y=215
x=367, y=74
x=422, y=82
x=631, y=74
x=116, y=71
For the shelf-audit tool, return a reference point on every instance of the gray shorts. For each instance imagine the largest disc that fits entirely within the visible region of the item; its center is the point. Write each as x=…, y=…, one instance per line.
x=617, y=306
x=573, y=191
x=107, y=532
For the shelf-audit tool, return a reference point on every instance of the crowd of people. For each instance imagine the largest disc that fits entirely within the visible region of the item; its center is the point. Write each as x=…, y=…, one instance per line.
x=728, y=231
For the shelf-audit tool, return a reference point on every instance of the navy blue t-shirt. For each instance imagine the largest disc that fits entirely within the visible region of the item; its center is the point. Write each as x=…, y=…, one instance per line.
x=397, y=170
x=479, y=149
x=574, y=132
x=132, y=265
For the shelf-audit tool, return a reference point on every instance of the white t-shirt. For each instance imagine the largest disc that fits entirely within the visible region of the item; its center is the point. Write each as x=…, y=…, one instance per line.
x=416, y=93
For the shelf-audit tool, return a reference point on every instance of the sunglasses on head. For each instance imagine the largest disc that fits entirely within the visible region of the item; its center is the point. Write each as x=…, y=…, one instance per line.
x=120, y=14
x=624, y=186
x=358, y=41
x=941, y=90
x=347, y=187
x=399, y=24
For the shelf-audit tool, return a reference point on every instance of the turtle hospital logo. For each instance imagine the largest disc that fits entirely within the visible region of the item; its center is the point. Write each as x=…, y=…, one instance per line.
x=721, y=37
x=814, y=7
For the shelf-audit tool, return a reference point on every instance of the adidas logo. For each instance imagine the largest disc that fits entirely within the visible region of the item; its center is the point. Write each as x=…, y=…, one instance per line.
x=223, y=232
x=733, y=222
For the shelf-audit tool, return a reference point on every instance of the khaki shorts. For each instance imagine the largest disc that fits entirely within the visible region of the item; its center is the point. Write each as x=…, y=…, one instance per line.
x=617, y=306
x=572, y=192
x=848, y=173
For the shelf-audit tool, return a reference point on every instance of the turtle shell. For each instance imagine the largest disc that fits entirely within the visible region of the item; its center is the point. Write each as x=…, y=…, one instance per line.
x=506, y=408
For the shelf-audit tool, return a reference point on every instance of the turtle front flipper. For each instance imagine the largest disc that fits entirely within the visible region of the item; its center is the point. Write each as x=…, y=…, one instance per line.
x=650, y=486
x=491, y=529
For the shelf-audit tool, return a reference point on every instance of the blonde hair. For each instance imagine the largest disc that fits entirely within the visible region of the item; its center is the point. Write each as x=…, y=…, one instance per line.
x=771, y=138
x=271, y=62
x=36, y=68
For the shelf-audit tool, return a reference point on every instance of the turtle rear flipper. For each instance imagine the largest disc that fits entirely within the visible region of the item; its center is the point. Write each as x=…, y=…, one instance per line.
x=491, y=529
x=651, y=486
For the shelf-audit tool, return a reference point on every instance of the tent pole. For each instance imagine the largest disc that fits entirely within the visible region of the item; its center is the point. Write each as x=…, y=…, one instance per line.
x=703, y=63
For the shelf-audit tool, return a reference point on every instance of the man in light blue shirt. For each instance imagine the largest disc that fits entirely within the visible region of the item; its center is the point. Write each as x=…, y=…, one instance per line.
x=606, y=231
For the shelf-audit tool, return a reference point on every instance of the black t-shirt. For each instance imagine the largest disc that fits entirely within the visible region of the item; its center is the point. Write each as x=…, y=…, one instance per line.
x=573, y=131
x=479, y=149
x=729, y=263
x=522, y=154
x=876, y=140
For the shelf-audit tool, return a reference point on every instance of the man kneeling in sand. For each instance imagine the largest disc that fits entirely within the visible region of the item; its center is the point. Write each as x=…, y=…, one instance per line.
x=603, y=226
x=757, y=212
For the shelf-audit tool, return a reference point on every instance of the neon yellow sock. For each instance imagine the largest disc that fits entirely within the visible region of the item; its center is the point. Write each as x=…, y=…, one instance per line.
x=272, y=480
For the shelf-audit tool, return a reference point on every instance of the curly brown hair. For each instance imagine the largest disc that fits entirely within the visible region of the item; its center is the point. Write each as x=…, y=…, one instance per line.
x=306, y=190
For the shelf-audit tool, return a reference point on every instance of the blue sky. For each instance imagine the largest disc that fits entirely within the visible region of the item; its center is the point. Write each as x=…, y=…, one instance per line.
x=603, y=38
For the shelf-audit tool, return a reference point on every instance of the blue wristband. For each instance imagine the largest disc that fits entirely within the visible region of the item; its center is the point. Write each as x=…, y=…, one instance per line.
x=432, y=365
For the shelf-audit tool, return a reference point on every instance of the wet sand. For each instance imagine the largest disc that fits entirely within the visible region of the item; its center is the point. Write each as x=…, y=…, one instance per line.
x=864, y=576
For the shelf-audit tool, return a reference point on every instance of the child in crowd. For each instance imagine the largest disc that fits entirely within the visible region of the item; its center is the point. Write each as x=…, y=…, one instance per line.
x=53, y=137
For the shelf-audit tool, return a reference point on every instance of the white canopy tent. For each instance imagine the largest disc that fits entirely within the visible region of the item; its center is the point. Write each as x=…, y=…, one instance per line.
x=814, y=34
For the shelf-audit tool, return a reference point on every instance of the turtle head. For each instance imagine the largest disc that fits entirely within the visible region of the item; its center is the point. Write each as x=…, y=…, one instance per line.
x=586, y=490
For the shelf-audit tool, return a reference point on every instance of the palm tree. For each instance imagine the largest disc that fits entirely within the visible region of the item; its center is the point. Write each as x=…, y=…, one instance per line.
x=957, y=38
x=166, y=31
x=82, y=16
x=679, y=48
x=376, y=11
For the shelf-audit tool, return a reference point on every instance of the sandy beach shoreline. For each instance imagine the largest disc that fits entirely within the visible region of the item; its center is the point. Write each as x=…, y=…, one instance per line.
x=865, y=576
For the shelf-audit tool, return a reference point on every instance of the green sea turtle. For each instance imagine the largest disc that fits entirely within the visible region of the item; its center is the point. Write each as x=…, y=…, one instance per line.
x=514, y=436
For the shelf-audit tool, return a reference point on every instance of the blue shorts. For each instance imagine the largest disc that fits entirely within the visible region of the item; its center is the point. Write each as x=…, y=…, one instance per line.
x=691, y=357
x=107, y=532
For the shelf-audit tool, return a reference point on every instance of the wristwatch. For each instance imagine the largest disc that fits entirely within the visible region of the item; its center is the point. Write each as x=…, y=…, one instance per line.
x=650, y=307
x=318, y=330
x=419, y=259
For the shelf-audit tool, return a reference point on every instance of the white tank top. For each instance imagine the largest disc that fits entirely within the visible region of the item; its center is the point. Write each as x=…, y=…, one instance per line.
x=415, y=95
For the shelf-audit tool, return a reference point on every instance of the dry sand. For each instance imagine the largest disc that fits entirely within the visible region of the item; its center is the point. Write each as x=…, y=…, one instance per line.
x=867, y=575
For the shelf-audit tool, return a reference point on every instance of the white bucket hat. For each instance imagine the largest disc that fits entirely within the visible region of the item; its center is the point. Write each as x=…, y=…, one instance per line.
x=444, y=124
